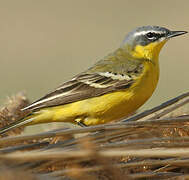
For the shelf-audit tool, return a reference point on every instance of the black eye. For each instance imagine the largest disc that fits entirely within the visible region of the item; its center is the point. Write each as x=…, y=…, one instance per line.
x=151, y=35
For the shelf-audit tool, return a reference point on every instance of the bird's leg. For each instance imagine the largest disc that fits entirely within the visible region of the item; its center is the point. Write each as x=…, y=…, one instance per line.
x=80, y=122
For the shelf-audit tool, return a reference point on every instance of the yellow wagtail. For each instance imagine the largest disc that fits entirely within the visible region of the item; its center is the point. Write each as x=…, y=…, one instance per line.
x=113, y=88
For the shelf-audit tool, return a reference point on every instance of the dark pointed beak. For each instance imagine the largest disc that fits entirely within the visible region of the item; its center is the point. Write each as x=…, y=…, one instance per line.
x=176, y=33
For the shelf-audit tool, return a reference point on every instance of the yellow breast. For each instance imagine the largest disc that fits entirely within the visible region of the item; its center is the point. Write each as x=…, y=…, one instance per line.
x=117, y=105
x=108, y=107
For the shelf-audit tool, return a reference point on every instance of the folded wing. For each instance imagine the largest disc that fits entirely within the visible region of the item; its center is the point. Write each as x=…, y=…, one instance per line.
x=81, y=87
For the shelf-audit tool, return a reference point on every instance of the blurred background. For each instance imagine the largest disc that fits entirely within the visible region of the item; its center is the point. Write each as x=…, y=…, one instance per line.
x=45, y=42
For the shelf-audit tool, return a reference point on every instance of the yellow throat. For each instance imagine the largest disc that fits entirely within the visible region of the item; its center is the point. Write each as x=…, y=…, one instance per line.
x=150, y=51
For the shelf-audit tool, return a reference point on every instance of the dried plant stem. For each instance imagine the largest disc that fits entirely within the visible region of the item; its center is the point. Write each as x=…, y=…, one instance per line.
x=114, y=126
x=173, y=161
x=157, y=108
x=98, y=168
x=58, y=154
x=170, y=109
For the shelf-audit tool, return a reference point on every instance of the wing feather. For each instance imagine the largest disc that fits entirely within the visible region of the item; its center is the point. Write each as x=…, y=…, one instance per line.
x=81, y=87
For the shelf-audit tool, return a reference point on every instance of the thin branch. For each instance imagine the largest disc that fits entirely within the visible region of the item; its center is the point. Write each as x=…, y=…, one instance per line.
x=167, y=111
x=133, y=175
x=157, y=108
x=123, y=125
x=59, y=154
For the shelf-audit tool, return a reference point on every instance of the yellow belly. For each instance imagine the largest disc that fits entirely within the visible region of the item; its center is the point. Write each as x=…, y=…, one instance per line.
x=105, y=108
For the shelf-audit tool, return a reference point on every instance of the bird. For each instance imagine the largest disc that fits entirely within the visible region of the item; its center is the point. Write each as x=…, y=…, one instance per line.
x=112, y=89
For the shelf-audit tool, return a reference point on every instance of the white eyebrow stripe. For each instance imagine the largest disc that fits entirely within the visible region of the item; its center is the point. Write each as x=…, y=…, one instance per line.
x=145, y=32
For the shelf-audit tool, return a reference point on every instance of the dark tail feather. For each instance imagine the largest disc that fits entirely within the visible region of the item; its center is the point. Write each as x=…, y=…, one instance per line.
x=16, y=124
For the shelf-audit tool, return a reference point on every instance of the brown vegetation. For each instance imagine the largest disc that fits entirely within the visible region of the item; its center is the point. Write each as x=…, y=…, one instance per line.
x=150, y=145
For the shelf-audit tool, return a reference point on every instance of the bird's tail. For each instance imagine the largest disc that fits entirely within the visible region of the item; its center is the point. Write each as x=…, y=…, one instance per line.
x=16, y=124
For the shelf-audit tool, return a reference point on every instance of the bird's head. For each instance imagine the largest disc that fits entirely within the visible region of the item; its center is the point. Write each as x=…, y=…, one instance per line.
x=146, y=42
